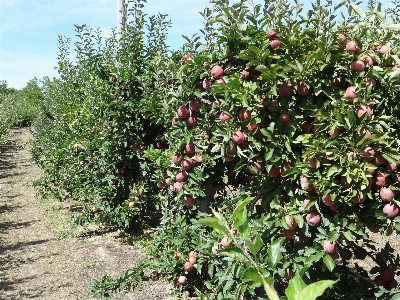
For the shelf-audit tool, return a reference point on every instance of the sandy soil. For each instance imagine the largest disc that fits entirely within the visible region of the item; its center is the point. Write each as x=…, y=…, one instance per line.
x=34, y=263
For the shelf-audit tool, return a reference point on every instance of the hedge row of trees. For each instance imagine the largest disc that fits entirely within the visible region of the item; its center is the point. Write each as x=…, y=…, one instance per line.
x=18, y=108
x=266, y=150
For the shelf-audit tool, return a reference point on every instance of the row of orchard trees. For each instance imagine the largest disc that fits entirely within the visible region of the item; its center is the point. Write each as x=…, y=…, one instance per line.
x=18, y=108
x=283, y=124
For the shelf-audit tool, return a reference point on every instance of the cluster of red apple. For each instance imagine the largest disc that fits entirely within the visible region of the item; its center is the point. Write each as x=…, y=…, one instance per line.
x=366, y=154
x=187, y=266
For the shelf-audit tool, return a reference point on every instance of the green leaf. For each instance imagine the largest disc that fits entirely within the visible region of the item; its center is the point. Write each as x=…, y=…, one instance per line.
x=235, y=253
x=340, y=4
x=329, y=263
x=240, y=206
x=333, y=170
x=255, y=246
x=392, y=26
x=289, y=172
x=395, y=297
x=214, y=223
x=275, y=252
x=389, y=158
x=251, y=275
x=240, y=219
x=271, y=293
x=287, y=145
x=296, y=285
x=269, y=153
x=315, y=290
x=394, y=74
x=358, y=10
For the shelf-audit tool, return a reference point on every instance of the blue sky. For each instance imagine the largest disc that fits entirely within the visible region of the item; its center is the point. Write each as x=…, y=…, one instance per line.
x=29, y=29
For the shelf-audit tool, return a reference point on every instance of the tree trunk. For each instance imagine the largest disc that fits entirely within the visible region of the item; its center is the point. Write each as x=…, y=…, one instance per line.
x=121, y=18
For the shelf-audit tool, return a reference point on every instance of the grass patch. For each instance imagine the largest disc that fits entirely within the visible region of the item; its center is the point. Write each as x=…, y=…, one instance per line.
x=60, y=222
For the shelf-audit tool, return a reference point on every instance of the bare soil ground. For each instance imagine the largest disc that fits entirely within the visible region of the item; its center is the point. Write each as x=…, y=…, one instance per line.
x=34, y=263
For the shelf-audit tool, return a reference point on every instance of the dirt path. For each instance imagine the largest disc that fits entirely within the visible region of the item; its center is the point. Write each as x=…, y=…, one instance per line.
x=34, y=264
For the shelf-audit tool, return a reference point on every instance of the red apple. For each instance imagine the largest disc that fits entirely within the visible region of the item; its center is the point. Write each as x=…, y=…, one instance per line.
x=285, y=90
x=367, y=153
x=386, y=194
x=285, y=118
x=245, y=74
x=244, y=144
x=393, y=284
x=244, y=115
x=351, y=47
x=251, y=126
x=380, y=179
x=198, y=159
x=328, y=200
x=305, y=127
x=302, y=88
x=257, y=166
x=391, y=210
x=223, y=116
x=274, y=44
x=271, y=34
x=190, y=150
x=177, y=186
x=186, y=164
x=191, y=121
x=334, y=132
x=231, y=150
x=228, y=158
x=363, y=109
x=313, y=163
x=313, y=218
x=181, y=176
x=272, y=103
x=188, y=266
x=342, y=37
x=383, y=49
x=224, y=242
x=183, y=112
x=369, y=81
x=154, y=276
x=182, y=279
x=364, y=131
x=274, y=172
x=288, y=233
x=206, y=84
x=329, y=247
x=357, y=65
x=195, y=105
x=350, y=93
x=238, y=137
x=288, y=274
x=200, y=88
x=217, y=72
x=308, y=187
